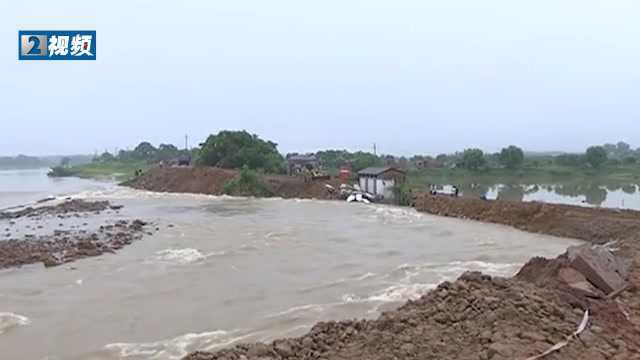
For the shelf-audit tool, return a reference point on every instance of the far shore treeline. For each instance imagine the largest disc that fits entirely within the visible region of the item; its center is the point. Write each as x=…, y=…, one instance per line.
x=241, y=149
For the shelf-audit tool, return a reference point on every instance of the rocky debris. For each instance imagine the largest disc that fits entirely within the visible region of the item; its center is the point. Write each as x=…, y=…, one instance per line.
x=578, y=282
x=587, y=271
x=47, y=199
x=599, y=266
x=65, y=245
x=476, y=317
x=69, y=207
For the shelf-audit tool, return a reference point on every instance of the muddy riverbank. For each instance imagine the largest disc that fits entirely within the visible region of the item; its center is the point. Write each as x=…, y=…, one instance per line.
x=44, y=234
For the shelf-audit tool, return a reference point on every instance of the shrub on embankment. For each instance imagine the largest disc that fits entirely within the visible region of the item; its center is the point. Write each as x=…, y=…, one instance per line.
x=247, y=183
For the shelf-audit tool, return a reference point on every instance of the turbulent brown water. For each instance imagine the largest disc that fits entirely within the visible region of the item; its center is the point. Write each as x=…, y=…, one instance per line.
x=222, y=270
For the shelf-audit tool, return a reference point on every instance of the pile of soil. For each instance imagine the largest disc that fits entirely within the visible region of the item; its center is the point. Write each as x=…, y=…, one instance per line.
x=292, y=187
x=597, y=225
x=67, y=207
x=211, y=181
x=195, y=180
x=478, y=317
x=66, y=245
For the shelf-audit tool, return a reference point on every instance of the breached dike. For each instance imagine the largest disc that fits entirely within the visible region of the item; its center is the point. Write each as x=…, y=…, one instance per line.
x=479, y=317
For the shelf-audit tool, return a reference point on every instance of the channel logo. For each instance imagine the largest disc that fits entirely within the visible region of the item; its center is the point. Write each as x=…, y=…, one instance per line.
x=56, y=45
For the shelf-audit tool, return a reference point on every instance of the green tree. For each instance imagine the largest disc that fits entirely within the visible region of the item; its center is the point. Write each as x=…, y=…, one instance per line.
x=363, y=160
x=167, y=152
x=511, y=157
x=105, y=157
x=570, y=160
x=65, y=161
x=333, y=159
x=629, y=160
x=472, y=159
x=596, y=156
x=237, y=149
x=145, y=151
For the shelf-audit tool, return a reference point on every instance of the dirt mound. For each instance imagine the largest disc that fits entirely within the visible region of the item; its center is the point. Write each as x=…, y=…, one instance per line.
x=209, y=180
x=196, y=180
x=65, y=245
x=67, y=207
x=289, y=187
x=534, y=315
x=592, y=224
x=476, y=317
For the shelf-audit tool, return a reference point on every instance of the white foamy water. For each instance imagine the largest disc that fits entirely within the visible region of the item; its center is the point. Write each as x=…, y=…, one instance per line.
x=175, y=348
x=182, y=256
x=9, y=321
x=270, y=267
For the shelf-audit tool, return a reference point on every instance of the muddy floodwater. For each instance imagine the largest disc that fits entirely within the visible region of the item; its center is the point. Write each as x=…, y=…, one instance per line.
x=223, y=270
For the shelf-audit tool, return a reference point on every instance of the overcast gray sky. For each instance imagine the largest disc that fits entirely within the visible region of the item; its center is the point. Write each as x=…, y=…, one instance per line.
x=413, y=76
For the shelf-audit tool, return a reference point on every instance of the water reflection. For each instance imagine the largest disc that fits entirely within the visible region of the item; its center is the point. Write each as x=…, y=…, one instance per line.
x=593, y=194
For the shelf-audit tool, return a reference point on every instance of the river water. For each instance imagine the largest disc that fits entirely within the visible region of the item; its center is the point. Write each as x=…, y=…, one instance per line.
x=222, y=270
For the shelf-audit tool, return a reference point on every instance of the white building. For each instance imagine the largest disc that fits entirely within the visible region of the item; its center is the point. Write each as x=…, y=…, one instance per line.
x=380, y=181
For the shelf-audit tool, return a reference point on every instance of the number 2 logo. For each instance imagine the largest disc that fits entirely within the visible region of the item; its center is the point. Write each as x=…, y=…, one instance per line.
x=35, y=49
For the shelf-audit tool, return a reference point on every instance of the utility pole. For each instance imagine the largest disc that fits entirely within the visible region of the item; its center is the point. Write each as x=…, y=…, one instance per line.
x=374, y=149
x=186, y=142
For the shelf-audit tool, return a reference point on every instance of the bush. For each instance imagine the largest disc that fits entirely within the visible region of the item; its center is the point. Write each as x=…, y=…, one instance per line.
x=403, y=195
x=247, y=183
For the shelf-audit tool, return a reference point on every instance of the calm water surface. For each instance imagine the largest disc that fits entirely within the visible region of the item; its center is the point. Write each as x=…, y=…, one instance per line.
x=583, y=194
x=222, y=270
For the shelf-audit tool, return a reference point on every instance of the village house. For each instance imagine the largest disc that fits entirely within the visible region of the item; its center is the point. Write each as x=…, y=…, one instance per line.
x=379, y=181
